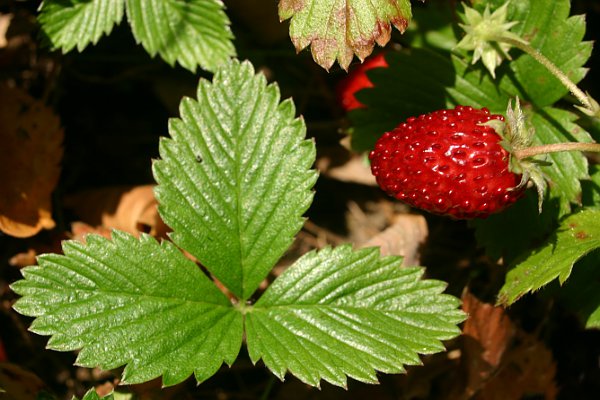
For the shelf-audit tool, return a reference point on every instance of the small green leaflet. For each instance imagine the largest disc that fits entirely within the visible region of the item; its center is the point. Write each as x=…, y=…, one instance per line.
x=134, y=302
x=338, y=29
x=190, y=32
x=576, y=236
x=66, y=25
x=339, y=312
x=236, y=177
x=92, y=395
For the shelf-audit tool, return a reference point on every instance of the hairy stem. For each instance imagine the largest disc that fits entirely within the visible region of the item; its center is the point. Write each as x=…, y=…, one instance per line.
x=556, y=148
x=561, y=76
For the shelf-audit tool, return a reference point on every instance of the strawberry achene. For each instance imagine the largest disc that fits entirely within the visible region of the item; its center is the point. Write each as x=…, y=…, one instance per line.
x=447, y=163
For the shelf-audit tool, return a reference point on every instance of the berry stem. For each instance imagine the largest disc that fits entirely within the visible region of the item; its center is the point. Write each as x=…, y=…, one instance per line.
x=556, y=148
x=561, y=76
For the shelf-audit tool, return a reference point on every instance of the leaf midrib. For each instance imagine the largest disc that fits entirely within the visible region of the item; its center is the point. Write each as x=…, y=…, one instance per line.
x=144, y=295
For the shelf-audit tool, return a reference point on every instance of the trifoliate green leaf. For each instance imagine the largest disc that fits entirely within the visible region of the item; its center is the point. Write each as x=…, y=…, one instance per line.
x=190, y=32
x=340, y=313
x=338, y=29
x=576, y=236
x=131, y=302
x=235, y=178
x=77, y=23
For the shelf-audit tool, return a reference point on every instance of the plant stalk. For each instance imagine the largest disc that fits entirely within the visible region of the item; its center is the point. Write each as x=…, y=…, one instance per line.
x=556, y=148
x=561, y=76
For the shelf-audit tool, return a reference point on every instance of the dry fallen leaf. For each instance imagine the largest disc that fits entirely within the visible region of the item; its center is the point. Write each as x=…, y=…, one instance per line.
x=486, y=334
x=404, y=237
x=528, y=369
x=79, y=230
x=31, y=151
x=500, y=361
x=4, y=24
x=354, y=169
x=130, y=209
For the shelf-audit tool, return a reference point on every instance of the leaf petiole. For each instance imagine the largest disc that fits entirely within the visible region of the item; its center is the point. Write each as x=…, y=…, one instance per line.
x=591, y=107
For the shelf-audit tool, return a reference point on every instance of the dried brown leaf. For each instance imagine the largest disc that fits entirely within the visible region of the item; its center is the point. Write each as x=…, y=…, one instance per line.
x=528, y=369
x=354, y=169
x=80, y=230
x=404, y=237
x=500, y=361
x=487, y=333
x=31, y=151
x=4, y=24
x=130, y=209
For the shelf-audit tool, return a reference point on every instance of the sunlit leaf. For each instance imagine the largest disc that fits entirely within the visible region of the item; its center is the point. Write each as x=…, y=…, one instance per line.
x=190, y=32
x=338, y=313
x=235, y=178
x=577, y=235
x=69, y=24
x=131, y=302
x=336, y=30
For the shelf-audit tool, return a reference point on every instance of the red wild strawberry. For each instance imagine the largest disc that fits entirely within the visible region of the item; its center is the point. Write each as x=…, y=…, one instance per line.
x=447, y=163
x=356, y=80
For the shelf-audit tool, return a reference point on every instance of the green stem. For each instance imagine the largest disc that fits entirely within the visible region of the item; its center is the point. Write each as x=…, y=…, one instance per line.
x=556, y=148
x=561, y=76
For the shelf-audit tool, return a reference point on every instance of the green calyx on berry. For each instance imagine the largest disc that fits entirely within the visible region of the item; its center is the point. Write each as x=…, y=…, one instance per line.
x=516, y=136
x=517, y=140
x=485, y=34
